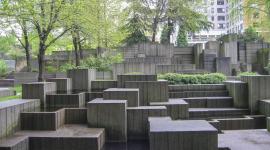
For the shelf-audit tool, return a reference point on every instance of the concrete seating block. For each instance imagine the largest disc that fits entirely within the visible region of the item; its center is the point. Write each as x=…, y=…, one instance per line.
x=111, y=115
x=42, y=120
x=101, y=85
x=68, y=137
x=10, y=114
x=131, y=95
x=81, y=79
x=89, y=96
x=150, y=91
x=138, y=120
x=62, y=84
x=75, y=115
x=121, y=79
x=14, y=143
x=182, y=135
x=205, y=113
x=258, y=89
x=236, y=123
x=209, y=102
x=68, y=100
x=238, y=90
x=176, y=108
x=38, y=90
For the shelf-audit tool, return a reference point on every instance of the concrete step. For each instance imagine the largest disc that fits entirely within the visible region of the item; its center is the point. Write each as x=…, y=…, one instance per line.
x=206, y=113
x=209, y=102
x=14, y=143
x=187, y=94
x=68, y=137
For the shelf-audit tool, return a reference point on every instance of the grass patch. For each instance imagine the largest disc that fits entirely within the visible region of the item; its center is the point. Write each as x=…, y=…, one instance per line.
x=18, y=95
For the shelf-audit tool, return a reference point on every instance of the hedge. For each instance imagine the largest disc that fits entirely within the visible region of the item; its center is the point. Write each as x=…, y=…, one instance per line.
x=211, y=78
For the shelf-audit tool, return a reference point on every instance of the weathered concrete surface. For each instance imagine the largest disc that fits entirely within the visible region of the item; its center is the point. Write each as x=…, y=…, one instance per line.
x=121, y=79
x=176, y=108
x=111, y=115
x=68, y=100
x=38, y=90
x=209, y=102
x=81, y=78
x=101, y=85
x=182, y=135
x=6, y=92
x=264, y=107
x=62, y=84
x=245, y=140
x=205, y=113
x=14, y=143
x=131, y=95
x=268, y=124
x=238, y=90
x=69, y=137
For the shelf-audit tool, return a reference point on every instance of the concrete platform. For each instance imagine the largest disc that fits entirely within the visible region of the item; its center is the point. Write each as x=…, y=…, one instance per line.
x=68, y=137
x=182, y=135
x=245, y=140
x=14, y=143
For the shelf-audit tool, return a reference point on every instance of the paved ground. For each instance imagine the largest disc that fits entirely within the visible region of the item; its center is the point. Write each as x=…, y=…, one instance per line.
x=245, y=140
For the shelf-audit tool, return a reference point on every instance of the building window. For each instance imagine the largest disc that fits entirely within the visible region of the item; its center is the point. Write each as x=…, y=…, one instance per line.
x=221, y=26
x=220, y=2
x=221, y=18
x=212, y=10
x=213, y=18
x=220, y=10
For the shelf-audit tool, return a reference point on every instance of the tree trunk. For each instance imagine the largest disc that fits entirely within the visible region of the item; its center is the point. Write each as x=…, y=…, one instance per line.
x=154, y=28
x=75, y=45
x=80, y=50
x=26, y=46
x=41, y=63
x=170, y=30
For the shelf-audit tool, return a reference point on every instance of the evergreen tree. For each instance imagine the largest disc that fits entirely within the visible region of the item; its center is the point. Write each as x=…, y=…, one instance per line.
x=182, y=38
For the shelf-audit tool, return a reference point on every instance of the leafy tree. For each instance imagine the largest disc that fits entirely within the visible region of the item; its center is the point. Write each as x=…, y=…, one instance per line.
x=136, y=28
x=182, y=38
x=7, y=43
x=164, y=35
x=250, y=34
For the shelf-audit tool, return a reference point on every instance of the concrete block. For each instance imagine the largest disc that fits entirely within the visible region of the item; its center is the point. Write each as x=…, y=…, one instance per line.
x=257, y=90
x=131, y=95
x=111, y=115
x=223, y=65
x=150, y=91
x=182, y=135
x=268, y=124
x=68, y=100
x=81, y=79
x=264, y=107
x=62, y=84
x=101, y=85
x=14, y=143
x=176, y=108
x=138, y=120
x=238, y=90
x=75, y=116
x=38, y=90
x=89, y=96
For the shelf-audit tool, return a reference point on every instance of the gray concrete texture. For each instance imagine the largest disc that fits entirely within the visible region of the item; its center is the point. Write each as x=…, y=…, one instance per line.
x=81, y=78
x=121, y=79
x=101, y=85
x=238, y=90
x=62, y=84
x=56, y=101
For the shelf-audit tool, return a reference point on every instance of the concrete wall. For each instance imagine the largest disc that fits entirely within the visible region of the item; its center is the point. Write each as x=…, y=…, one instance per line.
x=223, y=65
x=81, y=78
x=238, y=90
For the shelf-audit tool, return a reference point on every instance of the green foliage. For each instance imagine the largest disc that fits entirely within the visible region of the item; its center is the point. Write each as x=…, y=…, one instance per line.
x=136, y=28
x=251, y=35
x=164, y=35
x=211, y=78
x=3, y=68
x=247, y=74
x=7, y=43
x=67, y=66
x=182, y=38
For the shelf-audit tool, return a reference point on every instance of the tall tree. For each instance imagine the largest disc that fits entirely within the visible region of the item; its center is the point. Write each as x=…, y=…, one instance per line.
x=181, y=40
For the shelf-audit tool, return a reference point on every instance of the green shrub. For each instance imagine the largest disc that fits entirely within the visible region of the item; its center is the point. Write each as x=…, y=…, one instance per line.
x=3, y=68
x=211, y=78
x=66, y=67
x=247, y=74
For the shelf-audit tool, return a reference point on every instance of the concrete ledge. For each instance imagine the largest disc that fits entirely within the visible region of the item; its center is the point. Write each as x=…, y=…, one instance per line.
x=7, y=82
x=62, y=84
x=101, y=85
x=10, y=114
x=205, y=113
x=264, y=107
x=187, y=94
x=121, y=79
x=68, y=100
x=111, y=115
x=69, y=137
x=209, y=102
x=42, y=120
x=138, y=120
x=38, y=90
x=176, y=108
x=183, y=135
x=131, y=95
x=268, y=124
x=197, y=87
x=14, y=143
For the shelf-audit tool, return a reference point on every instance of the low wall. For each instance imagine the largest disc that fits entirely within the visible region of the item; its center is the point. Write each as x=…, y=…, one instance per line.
x=7, y=82
x=238, y=90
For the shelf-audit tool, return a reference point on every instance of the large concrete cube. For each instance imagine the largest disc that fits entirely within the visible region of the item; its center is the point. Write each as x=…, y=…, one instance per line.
x=138, y=120
x=264, y=107
x=176, y=108
x=111, y=115
x=131, y=95
x=68, y=100
x=62, y=84
x=81, y=78
x=182, y=135
x=38, y=90
x=101, y=85
x=238, y=90
x=150, y=91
